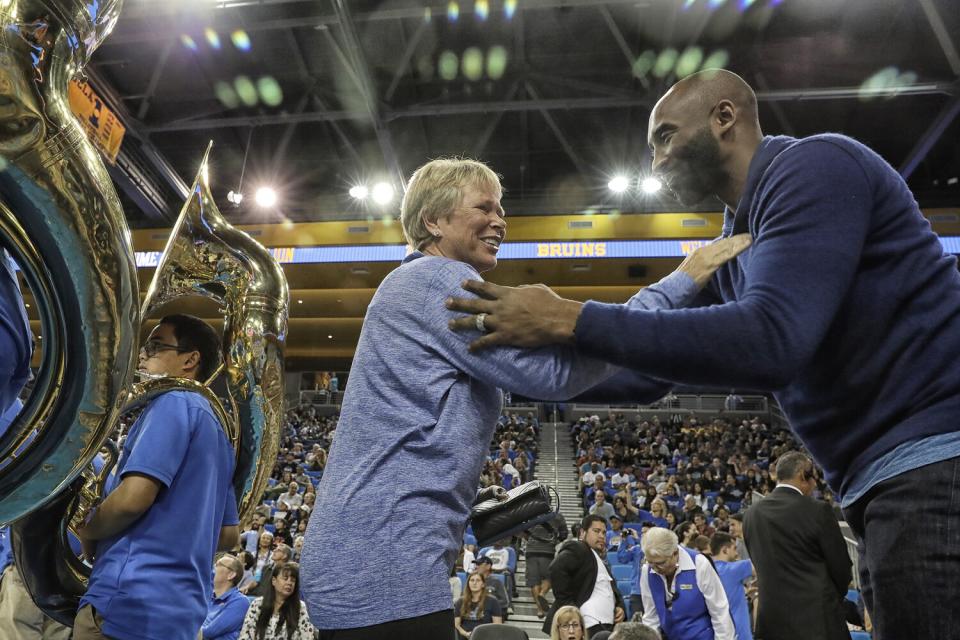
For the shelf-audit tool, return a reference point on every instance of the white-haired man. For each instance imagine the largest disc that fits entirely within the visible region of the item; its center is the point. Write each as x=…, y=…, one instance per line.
x=682, y=594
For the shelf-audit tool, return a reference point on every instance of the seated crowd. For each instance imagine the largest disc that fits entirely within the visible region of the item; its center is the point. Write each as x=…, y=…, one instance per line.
x=264, y=575
x=666, y=488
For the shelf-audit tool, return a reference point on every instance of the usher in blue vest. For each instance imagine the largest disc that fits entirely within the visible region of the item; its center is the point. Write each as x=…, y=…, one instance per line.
x=687, y=618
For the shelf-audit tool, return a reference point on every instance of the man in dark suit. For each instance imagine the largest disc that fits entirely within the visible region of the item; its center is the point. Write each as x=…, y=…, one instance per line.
x=581, y=578
x=801, y=560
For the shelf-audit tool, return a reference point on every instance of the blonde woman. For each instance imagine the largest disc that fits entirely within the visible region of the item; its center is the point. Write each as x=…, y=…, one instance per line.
x=658, y=509
x=474, y=607
x=568, y=624
x=393, y=425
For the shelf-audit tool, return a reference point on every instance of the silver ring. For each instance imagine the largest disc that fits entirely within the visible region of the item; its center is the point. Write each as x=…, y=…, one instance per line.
x=478, y=320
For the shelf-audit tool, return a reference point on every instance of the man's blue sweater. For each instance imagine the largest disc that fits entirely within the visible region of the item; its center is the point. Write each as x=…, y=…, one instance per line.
x=845, y=307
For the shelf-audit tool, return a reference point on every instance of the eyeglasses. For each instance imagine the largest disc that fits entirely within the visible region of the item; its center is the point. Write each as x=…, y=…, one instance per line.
x=570, y=626
x=660, y=564
x=153, y=347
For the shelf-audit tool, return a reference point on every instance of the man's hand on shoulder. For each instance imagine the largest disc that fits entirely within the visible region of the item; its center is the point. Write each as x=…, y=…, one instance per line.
x=527, y=316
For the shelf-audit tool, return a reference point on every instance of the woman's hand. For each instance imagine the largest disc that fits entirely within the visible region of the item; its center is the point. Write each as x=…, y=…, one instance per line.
x=704, y=261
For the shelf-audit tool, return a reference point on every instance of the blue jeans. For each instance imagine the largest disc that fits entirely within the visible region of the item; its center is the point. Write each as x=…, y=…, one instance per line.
x=908, y=535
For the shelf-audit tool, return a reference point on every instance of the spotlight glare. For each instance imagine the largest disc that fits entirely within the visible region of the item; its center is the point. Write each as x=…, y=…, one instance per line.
x=650, y=185
x=382, y=193
x=618, y=184
x=213, y=39
x=188, y=42
x=360, y=192
x=246, y=91
x=481, y=8
x=235, y=197
x=266, y=197
x=509, y=8
x=240, y=40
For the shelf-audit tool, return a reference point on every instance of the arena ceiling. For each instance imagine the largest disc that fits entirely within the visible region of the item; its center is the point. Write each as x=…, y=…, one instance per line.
x=314, y=97
x=319, y=96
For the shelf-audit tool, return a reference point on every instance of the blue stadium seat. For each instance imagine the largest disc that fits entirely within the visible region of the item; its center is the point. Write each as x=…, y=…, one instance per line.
x=624, y=586
x=270, y=528
x=860, y=635
x=621, y=571
x=733, y=506
x=463, y=579
x=633, y=525
x=853, y=596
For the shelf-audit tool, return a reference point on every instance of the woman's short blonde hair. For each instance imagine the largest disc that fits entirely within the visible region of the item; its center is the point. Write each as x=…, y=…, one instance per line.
x=435, y=190
x=563, y=613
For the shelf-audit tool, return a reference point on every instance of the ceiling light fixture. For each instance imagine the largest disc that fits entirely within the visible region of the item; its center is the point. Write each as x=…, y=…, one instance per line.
x=266, y=197
x=382, y=193
x=650, y=185
x=618, y=184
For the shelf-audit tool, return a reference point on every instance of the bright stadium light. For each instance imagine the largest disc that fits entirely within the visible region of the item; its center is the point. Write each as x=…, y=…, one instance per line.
x=650, y=185
x=360, y=192
x=235, y=197
x=618, y=184
x=266, y=197
x=382, y=193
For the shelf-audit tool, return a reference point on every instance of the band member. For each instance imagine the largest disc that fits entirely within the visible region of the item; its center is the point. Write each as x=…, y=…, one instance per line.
x=170, y=504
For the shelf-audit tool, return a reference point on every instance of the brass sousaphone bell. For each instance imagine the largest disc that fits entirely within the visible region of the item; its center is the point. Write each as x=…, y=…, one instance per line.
x=61, y=220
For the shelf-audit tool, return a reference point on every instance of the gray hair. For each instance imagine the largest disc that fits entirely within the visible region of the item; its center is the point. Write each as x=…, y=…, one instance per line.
x=791, y=465
x=235, y=566
x=633, y=631
x=436, y=190
x=659, y=542
x=284, y=549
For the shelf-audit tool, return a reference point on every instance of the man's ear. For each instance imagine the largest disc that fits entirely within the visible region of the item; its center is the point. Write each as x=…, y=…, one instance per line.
x=724, y=116
x=192, y=363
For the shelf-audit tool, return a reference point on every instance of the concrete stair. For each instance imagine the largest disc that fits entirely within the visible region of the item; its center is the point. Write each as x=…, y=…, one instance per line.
x=555, y=467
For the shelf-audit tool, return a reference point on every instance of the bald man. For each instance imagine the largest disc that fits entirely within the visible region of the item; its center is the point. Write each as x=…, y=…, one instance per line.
x=845, y=307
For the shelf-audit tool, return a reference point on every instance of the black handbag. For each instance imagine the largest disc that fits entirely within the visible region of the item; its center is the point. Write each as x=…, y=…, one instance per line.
x=526, y=506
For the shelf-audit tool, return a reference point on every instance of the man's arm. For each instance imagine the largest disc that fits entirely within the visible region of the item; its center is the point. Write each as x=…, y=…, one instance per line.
x=716, y=598
x=806, y=251
x=229, y=538
x=554, y=373
x=562, y=571
x=650, y=617
x=834, y=549
x=124, y=506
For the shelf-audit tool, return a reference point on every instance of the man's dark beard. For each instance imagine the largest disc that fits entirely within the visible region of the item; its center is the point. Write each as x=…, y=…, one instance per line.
x=697, y=170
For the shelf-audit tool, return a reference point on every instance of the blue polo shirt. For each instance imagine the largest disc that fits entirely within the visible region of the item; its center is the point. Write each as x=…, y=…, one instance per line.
x=732, y=576
x=152, y=581
x=225, y=616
